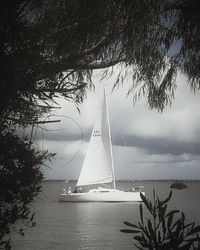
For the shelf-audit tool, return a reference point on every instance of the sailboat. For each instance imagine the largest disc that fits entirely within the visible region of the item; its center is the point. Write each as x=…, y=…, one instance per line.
x=98, y=167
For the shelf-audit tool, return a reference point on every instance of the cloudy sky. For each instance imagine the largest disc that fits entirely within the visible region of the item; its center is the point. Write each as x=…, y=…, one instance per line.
x=146, y=144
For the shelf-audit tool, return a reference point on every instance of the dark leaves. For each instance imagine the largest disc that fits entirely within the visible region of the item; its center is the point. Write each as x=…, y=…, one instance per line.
x=160, y=230
x=130, y=231
x=170, y=216
x=147, y=204
x=130, y=224
x=20, y=180
x=167, y=199
x=141, y=214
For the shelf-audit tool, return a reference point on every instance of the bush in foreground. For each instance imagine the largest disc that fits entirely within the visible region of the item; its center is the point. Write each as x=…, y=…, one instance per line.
x=163, y=230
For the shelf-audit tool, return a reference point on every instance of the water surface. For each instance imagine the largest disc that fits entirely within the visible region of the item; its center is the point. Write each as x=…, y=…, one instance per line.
x=96, y=225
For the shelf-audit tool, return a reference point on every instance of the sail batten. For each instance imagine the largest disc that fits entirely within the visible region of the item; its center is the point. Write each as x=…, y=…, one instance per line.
x=97, y=167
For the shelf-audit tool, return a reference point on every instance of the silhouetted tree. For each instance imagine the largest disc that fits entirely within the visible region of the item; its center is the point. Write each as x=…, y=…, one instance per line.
x=153, y=39
x=20, y=176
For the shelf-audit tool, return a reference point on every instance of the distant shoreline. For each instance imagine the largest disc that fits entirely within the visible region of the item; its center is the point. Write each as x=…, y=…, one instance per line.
x=120, y=180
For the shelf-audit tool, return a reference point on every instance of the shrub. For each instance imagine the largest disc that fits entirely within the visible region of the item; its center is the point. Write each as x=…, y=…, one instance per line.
x=163, y=230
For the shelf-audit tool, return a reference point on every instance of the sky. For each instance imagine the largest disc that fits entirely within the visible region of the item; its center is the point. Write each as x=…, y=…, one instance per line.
x=146, y=144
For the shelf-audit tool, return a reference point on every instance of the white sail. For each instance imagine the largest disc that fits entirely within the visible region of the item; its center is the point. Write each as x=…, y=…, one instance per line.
x=98, y=164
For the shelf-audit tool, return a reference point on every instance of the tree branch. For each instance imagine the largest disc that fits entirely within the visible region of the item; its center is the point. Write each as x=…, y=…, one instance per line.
x=96, y=47
x=31, y=121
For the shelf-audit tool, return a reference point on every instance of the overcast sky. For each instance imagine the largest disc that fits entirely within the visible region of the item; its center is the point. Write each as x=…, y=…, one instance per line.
x=146, y=144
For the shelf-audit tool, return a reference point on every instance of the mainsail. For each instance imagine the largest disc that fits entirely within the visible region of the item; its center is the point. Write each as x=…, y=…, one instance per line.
x=98, y=164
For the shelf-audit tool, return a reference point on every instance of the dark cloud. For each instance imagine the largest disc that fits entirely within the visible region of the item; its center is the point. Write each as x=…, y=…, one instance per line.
x=152, y=145
x=168, y=161
x=64, y=135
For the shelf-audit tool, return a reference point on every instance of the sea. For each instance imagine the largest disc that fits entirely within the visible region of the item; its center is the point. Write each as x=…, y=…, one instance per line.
x=92, y=225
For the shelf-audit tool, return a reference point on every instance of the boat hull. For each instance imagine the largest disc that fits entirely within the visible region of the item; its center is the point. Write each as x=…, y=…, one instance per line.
x=113, y=196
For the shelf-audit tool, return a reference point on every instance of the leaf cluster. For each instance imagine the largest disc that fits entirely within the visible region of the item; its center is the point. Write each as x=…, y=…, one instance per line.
x=163, y=229
x=20, y=182
x=153, y=39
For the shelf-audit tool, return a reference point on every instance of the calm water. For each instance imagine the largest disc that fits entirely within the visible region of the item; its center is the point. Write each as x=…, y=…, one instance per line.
x=96, y=225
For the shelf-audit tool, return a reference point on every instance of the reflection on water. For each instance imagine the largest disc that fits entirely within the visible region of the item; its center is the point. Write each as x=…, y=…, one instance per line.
x=95, y=225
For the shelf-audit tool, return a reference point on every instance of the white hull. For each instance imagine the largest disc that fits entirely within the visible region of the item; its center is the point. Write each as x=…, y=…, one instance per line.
x=113, y=195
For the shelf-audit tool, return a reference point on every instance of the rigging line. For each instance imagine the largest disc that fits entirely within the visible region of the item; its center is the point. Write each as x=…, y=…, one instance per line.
x=68, y=117
x=125, y=144
x=110, y=136
x=50, y=130
x=76, y=153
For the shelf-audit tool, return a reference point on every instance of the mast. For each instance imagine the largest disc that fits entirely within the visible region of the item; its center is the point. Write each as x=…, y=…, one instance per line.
x=110, y=137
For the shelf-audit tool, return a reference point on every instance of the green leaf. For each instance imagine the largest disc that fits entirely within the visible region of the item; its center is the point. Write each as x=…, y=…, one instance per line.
x=141, y=214
x=159, y=237
x=186, y=246
x=163, y=225
x=146, y=202
x=130, y=231
x=150, y=228
x=130, y=224
x=172, y=212
x=170, y=216
x=186, y=226
x=194, y=230
x=144, y=239
x=167, y=199
x=183, y=217
x=138, y=238
x=145, y=231
x=154, y=198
